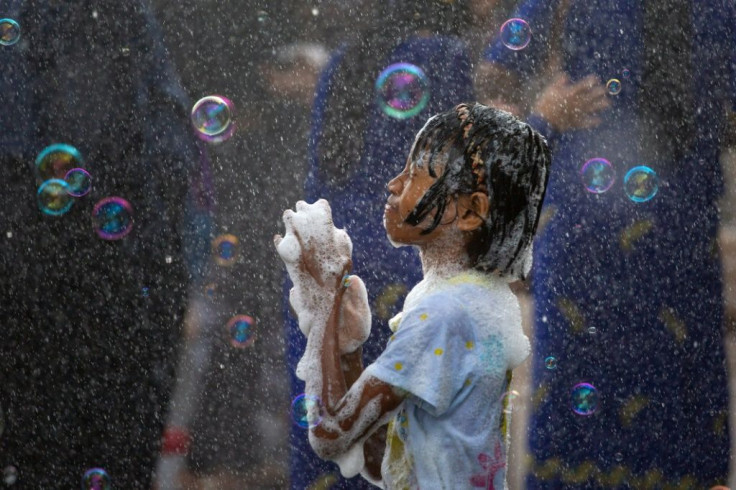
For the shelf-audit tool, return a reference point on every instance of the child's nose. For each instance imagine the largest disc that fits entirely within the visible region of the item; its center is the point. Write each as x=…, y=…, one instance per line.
x=395, y=185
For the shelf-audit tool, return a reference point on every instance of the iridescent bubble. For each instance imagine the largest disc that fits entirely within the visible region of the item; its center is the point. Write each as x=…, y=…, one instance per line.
x=584, y=398
x=592, y=330
x=80, y=182
x=516, y=34
x=402, y=90
x=9, y=32
x=262, y=16
x=241, y=331
x=210, y=290
x=56, y=160
x=225, y=249
x=10, y=475
x=641, y=183
x=613, y=86
x=212, y=118
x=53, y=197
x=112, y=218
x=598, y=175
x=96, y=479
x=145, y=292
x=618, y=457
x=307, y=411
x=626, y=73
x=550, y=363
x=508, y=400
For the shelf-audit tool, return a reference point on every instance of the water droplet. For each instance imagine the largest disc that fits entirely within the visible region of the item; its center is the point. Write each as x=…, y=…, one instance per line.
x=9, y=32
x=168, y=259
x=584, y=399
x=315, y=11
x=598, y=175
x=516, y=34
x=112, y=218
x=307, y=411
x=402, y=90
x=641, y=183
x=212, y=118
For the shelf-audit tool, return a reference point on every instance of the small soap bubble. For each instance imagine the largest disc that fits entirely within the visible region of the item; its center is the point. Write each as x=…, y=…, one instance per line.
x=212, y=118
x=9, y=32
x=112, y=218
x=10, y=475
x=53, y=197
x=262, y=16
x=402, y=90
x=613, y=86
x=508, y=400
x=56, y=160
x=307, y=411
x=96, y=479
x=225, y=249
x=598, y=175
x=641, y=183
x=210, y=290
x=516, y=34
x=626, y=73
x=584, y=399
x=241, y=331
x=592, y=330
x=145, y=292
x=618, y=457
x=550, y=363
x=125, y=51
x=80, y=182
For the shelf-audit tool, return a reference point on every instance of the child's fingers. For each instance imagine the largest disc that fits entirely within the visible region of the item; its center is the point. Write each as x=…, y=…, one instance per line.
x=277, y=239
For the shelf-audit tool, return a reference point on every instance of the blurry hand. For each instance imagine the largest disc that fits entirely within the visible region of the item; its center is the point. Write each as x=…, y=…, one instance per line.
x=567, y=105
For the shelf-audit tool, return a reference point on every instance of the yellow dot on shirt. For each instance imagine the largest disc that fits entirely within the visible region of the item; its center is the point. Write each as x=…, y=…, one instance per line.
x=423, y=316
x=469, y=344
x=438, y=351
x=467, y=382
x=391, y=338
x=398, y=366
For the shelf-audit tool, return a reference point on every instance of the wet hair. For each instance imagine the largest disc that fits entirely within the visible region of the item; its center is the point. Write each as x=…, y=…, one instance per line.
x=483, y=149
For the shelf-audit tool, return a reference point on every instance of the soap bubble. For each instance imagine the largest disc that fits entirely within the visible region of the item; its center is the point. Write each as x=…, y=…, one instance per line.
x=618, y=457
x=210, y=290
x=598, y=175
x=402, y=90
x=516, y=34
x=96, y=479
x=508, y=400
x=307, y=411
x=584, y=399
x=550, y=363
x=641, y=183
x=145, y=291
x=9, y=32
x=56, y=160
x=225, y=249
x=112, y=218
x=53, y=197
x=592, y=330
x=241, y=331
x=212, y=118
x=262, y=16
x=613, y=86
x=80, y=182
x=626, y=73
x=10, y=475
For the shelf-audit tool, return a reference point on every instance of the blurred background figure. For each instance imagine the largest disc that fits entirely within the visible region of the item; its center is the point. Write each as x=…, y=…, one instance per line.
x=93, y=280
x=626, y=279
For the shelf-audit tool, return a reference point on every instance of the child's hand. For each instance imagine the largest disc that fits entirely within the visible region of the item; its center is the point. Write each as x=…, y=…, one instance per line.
x=317, y=256
x=355, y=316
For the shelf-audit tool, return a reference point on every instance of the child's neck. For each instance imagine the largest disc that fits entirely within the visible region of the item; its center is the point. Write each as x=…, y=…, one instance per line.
x=444, y=258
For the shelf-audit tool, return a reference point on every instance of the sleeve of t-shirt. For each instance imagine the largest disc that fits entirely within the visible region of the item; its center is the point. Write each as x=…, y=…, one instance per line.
x=539, y=14
x=431, y=355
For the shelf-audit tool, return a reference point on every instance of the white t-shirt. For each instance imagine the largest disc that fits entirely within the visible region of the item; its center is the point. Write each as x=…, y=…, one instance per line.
x=451, y=352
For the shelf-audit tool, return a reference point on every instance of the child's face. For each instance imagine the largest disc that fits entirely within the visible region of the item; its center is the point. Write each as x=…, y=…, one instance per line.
x=406, y=190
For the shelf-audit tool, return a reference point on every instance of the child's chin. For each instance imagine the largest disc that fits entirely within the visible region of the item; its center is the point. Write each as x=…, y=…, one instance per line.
x=394, y=242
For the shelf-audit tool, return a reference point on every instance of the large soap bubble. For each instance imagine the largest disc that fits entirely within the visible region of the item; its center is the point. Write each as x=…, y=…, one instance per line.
x=212, y=118
x=9, y=32
x=54, y=198
x=112, y=218
x=402, y=90
x=516, y=34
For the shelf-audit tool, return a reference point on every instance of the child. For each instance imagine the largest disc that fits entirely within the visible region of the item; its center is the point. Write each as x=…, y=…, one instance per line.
x=469, y=199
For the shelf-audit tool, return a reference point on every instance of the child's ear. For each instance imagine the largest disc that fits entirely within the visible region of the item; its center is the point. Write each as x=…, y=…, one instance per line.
x=472, y=211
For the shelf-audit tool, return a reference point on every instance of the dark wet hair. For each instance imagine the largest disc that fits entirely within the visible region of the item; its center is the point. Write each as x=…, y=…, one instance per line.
x=487, y=150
